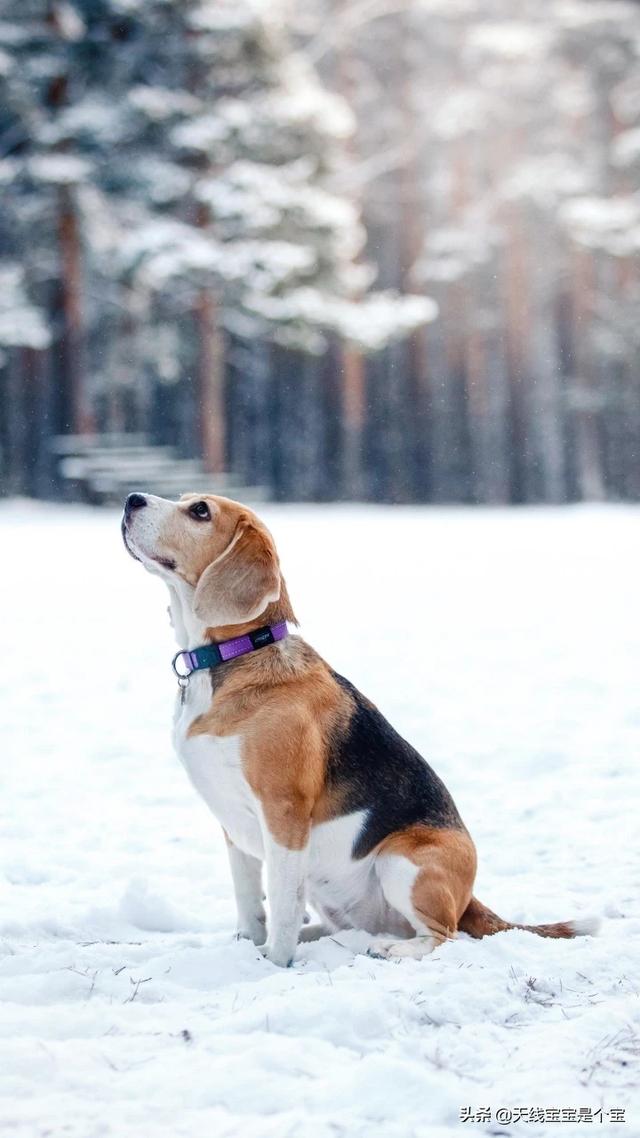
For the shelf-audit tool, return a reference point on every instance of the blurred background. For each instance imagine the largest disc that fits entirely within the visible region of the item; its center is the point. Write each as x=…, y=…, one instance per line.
x=371, y=250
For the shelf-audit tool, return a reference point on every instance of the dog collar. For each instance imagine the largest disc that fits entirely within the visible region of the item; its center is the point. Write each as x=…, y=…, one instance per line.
x=186, y=662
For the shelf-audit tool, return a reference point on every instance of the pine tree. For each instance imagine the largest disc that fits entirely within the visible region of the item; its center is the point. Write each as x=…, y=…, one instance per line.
x=181, y=152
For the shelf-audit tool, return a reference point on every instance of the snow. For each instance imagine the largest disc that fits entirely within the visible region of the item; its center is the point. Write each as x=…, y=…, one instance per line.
x=59, y=169
x=511, y=39
x=574, y=14
x=625, y=99
x=505, y=645
x=546, y=179
x=69, y=23
x=223, y=15
x=451, y=253
x=462, y=112
x=371, y=323
x=161, y=249
x=21, y=323
x=96, y=119
x=626, y=148
x=160, y=103
x=609, y=223
x=300, y=101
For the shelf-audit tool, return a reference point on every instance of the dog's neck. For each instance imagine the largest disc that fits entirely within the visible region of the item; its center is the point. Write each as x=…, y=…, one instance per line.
x=190, y=632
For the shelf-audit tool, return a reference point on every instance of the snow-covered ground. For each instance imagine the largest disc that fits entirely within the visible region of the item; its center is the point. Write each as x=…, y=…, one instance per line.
x=506, y=646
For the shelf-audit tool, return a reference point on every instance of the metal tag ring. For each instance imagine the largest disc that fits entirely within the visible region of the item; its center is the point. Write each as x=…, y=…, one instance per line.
x=180, y=675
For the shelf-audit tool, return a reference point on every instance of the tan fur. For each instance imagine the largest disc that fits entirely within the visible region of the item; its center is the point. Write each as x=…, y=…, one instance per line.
x=479, y=921
x=447, y=861
x=274, y=612
x=195, y=545
x=285, y=705
x=242, y=581
x=232, y=563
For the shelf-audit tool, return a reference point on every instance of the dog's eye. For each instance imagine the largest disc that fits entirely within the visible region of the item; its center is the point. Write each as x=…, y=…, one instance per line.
x=200, y=511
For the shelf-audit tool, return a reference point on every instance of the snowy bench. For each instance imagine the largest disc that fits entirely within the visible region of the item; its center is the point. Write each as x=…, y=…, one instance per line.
x=103, y=470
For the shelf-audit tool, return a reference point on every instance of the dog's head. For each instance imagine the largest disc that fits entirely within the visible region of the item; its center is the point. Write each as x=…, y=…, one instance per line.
x=217, y=547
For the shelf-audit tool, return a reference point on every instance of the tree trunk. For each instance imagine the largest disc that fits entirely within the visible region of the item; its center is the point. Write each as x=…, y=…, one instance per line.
x=15, y=425
x=352, y=370
x=210, y=384
x=79, y=418
x=586, y=400
x=516, y=302
x=545, y=410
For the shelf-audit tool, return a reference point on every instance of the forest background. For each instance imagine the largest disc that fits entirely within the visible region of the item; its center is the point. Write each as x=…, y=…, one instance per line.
x=366, y=250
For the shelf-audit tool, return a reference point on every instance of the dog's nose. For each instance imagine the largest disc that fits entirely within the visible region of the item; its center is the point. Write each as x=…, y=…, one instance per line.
x=134, y=502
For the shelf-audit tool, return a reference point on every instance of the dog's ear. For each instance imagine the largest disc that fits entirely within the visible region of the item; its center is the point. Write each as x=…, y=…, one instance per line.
x=242, y=581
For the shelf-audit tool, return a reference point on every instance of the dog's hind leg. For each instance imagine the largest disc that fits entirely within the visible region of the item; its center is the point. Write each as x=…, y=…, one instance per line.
x=313, y=932
x=427, y=875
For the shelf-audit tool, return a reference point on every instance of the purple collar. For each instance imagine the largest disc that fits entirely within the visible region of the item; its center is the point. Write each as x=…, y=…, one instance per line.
x=210, y=655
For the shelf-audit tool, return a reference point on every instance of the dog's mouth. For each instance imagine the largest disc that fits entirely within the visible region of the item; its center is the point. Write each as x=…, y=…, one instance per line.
x=123, y=531
x=165, y=562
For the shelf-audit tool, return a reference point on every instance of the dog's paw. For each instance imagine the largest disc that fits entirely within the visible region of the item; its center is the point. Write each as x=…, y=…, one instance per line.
x=383, y=948
x=253, y=930
x=281, y=957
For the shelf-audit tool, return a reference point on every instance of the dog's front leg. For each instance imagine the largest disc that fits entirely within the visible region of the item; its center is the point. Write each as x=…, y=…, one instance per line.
x=286, y=856
x=246, y=872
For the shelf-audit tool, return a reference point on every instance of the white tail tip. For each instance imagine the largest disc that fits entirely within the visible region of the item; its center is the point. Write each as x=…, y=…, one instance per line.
x=586, y=926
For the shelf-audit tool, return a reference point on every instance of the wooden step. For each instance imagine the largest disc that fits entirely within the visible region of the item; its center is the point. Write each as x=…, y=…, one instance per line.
x=98, y=473
x=80, y=444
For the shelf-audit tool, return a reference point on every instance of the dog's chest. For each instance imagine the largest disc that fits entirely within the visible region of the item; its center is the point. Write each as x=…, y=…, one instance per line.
x=214, y=765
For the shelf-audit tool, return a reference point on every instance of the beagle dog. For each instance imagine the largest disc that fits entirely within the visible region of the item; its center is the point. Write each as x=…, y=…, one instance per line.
x=302, y=771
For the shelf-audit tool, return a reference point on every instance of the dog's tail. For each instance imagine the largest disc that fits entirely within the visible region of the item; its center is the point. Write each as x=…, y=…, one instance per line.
x=478, y=921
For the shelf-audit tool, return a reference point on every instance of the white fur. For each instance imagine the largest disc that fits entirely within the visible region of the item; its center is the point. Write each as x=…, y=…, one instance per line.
x=347, y=892
x=586, y=926
x=414, y=948
x=144, y=530
x=214, y=765
x=286, y=877
x=246, y=873
x=397, y=877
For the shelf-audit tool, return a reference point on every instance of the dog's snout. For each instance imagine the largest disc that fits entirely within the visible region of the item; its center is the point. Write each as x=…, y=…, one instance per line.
x=134, y=502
